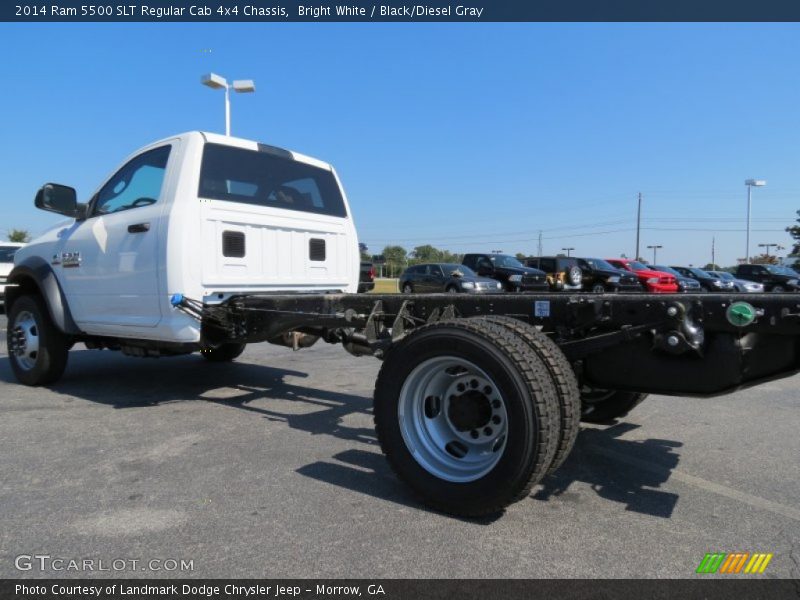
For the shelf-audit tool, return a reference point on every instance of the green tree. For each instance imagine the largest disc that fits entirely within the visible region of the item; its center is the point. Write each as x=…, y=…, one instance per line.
x=712, y=267
x=19, y=235
x=794, y=231
x=520, y=256
x=396, y=259
x=362, y=248
x=427, y=253
x=450, y=257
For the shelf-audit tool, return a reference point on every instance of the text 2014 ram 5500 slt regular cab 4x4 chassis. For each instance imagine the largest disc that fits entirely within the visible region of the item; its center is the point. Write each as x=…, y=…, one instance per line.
x=203, y=242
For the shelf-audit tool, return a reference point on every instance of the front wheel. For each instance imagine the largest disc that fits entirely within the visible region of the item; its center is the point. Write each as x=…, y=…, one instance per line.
x=223, y=352
x=407, y=289
x=463, y=412
x=37, y=350
x=604, y=406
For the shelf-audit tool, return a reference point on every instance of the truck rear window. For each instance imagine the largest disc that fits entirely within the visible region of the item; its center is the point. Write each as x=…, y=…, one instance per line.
x=268, y=179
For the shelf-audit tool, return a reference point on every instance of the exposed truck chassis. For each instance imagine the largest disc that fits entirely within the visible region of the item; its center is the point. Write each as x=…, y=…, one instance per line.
x=462, y=372
x=654, y=343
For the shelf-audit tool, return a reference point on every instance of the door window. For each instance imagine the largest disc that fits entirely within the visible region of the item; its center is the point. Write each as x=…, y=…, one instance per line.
x=136, y=184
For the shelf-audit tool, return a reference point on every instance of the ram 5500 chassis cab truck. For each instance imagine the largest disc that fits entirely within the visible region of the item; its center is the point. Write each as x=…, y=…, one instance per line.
x=205, y=243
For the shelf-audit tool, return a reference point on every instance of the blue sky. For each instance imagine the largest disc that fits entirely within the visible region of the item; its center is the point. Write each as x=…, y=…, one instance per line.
x=471, y=137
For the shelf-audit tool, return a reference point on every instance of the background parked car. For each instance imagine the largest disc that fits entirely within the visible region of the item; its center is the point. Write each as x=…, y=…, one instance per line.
x=740, y=285
x=506, y=269
x=366, y=277
x=653, y=281
x=685, y=284
x=709, y=282
x=446, y=277
x=774, y=277
x=561, y=272
x=601, y=276
x=7, y=251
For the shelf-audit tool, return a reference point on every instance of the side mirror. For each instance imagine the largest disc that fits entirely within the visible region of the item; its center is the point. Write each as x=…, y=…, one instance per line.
x=57, y=198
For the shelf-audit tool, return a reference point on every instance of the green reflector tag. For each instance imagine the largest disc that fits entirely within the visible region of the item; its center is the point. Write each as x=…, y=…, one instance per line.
x=741, y=314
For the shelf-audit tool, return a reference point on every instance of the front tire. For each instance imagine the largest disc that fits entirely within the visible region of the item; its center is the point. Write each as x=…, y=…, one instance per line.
x=463, y=412
x=407, y=289
x=605, y=406
x=37, y=350
x=598, y=288
x=778, y=289
x=223, y=352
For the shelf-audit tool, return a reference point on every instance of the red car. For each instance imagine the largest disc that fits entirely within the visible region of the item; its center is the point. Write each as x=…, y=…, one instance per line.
x=657, y=282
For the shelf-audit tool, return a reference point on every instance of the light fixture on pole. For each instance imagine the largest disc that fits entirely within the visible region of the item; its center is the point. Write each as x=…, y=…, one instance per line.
x=750, y=183
x=768, y=246
x=240, y=86
x=568, y=250
x=655, y=249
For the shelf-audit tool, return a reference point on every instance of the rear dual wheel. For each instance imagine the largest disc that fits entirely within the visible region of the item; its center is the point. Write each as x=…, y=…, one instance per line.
x=467, y=414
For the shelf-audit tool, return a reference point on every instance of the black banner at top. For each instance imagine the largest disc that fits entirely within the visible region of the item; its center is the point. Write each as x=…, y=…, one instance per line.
x=199, y=11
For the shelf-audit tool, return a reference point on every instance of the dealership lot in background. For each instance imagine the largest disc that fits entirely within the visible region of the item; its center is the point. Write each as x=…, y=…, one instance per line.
x=269, y=467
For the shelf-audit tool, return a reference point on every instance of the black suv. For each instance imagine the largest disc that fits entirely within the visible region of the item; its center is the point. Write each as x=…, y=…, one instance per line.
x=506, y=269
x=562, y=272
x=601, y=276
x=774, y=277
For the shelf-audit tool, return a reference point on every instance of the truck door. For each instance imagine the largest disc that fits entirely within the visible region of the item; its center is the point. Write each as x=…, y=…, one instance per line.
x=109, y=262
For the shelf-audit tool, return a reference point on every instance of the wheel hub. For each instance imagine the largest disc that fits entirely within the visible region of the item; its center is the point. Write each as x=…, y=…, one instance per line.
x=470, y=410
x=453, y=418
x=24, y=340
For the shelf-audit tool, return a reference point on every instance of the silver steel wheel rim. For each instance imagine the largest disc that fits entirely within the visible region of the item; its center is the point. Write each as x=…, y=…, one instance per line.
x=24, y=340
x=453, y=419
x=406, y=289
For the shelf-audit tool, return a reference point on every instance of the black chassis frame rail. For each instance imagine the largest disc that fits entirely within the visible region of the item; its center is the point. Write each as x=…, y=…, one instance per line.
x=659, y=343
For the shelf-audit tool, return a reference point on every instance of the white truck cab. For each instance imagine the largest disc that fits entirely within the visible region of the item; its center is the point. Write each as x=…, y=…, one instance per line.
x=199, y=214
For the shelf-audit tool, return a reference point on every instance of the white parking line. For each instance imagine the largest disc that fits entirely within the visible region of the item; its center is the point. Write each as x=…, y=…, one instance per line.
x=704, y=484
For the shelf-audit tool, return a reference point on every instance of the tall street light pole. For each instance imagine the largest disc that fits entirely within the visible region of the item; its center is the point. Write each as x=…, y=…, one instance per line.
x=241, y=86
x=655, y=249
x=750, y=183
x=568, y=250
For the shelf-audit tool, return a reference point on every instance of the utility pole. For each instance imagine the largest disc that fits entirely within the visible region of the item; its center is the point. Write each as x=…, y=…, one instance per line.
x=539, y=250
x=638, y=226
x=713, y=255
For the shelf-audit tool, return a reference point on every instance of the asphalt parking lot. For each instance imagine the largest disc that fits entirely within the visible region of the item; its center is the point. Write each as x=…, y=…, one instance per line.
x=269, y=467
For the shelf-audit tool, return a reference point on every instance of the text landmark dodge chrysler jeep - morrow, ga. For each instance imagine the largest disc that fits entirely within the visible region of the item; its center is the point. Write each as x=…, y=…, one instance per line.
x=203, y=242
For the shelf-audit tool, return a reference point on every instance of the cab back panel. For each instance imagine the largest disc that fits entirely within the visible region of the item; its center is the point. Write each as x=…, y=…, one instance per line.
x=281, y=249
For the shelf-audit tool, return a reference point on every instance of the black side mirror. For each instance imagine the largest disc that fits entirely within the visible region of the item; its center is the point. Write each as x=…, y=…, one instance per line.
x=57, y=198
